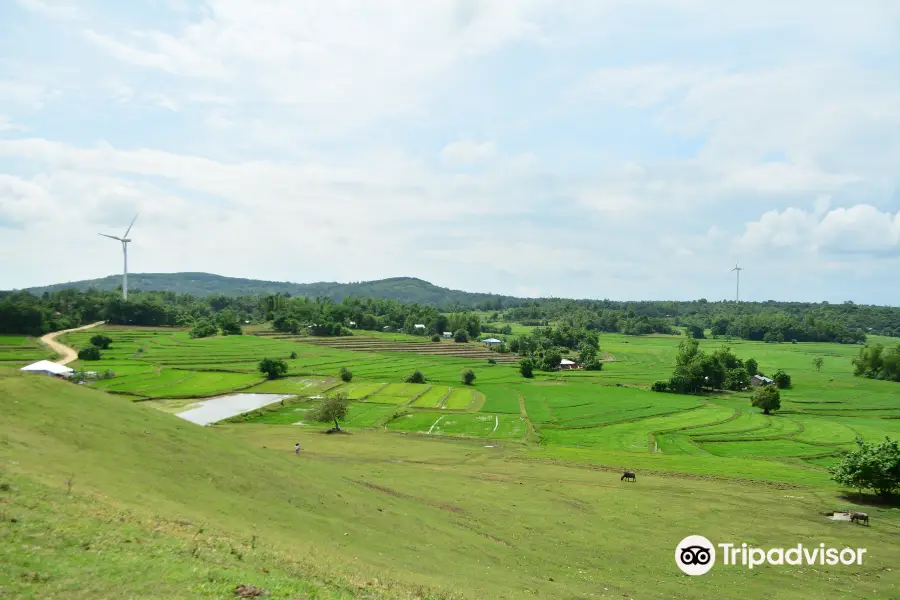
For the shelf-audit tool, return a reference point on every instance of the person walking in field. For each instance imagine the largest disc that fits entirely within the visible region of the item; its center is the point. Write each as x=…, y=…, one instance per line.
x=297, y=448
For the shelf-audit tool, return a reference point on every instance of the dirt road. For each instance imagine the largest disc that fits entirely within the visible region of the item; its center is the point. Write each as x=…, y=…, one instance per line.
x=67, y=354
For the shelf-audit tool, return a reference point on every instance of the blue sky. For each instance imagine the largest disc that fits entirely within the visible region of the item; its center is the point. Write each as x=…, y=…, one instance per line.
x=588, y=148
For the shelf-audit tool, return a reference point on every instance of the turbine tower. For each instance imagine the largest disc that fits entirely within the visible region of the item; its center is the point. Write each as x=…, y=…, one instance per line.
x=738, y=270
x=124, y=239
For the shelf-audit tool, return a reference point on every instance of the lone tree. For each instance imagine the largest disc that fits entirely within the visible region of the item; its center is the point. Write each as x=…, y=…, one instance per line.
x=873, y=467
x=89, y=353
x=817, y=362
x=468, y=376
x=782, y=379
x=346, y=375
x=416, y=377
x=273, y=367
x=101, y=341
x=461, y=336
x=332, y=408
x=526, y=368
x=767, y=398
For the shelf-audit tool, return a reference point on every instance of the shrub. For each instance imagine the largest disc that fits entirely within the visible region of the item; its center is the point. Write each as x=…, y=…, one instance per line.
x=435, y=338
x=273, y=368
x=468, y=376
x=89, y=353
x=871, y=467
x=492, y=361
x=461, y=336
x=416, y=377
x=526, y=368
x=767, y=398
x=593, y=365
x=660, y=386
x=204, y=328
x=101, y=341
x=782, y=379
x=346, y=375
x=293, y=355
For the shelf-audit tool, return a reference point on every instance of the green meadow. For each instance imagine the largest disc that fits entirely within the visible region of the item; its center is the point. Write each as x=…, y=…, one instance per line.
x=503, y=489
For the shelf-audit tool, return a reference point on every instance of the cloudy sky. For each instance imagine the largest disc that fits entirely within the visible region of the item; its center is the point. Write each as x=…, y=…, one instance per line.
x=630, y=149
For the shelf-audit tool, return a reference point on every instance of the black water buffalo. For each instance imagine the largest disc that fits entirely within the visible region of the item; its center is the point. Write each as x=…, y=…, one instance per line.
x=859, y=517
x=628, y=476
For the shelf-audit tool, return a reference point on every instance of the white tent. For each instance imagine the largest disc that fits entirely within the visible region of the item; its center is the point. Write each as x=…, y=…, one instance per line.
x=48, y=368
x=566, y=361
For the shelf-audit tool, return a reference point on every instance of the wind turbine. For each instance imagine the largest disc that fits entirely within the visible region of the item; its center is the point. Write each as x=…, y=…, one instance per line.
x=738, y=270
x=124, y=239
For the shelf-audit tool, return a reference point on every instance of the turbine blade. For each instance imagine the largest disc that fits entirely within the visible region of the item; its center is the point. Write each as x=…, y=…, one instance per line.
x=112, y=237
x=130, y=226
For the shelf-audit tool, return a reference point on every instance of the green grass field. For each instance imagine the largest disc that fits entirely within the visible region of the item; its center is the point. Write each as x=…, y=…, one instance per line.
x=161, y=508
x=528, y=448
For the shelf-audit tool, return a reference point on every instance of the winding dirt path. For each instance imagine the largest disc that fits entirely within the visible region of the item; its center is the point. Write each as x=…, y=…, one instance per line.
x=66, y=353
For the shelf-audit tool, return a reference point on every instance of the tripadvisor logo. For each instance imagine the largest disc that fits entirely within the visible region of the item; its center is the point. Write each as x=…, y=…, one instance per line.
x=696, y=555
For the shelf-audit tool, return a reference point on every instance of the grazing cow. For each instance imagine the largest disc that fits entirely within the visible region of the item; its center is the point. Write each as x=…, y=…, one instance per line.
x=859, y=517
x=628, y=476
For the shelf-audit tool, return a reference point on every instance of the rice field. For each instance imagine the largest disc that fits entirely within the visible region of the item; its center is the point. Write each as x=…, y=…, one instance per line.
x=20, y=350
x=595, y=416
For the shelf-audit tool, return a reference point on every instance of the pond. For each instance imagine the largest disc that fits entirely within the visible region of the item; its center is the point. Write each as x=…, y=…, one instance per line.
x=212, y=410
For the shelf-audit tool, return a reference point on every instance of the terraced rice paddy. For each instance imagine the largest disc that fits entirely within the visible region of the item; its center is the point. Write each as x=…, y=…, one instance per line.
x=592, y=416
x=20, y=350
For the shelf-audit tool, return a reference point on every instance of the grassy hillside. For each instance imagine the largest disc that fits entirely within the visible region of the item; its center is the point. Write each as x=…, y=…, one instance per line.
x=405, y=289
x=161, y=508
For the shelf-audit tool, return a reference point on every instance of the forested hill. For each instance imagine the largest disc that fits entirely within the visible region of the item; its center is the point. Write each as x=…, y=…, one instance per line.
x=404, y=289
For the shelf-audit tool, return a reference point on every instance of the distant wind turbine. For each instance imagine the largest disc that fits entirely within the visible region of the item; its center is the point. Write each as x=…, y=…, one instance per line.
x=124, y=239
x=738, y=270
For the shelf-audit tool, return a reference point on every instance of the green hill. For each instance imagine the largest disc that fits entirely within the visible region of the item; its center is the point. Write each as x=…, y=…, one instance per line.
x=405, y=289
x=104, y=498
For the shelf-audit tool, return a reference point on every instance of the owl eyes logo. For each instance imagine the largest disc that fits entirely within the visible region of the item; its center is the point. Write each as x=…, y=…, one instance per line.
x=695, y=555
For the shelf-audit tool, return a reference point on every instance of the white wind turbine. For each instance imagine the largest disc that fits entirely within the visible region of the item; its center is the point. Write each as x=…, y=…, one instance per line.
x=124, y=239
x=738, y=270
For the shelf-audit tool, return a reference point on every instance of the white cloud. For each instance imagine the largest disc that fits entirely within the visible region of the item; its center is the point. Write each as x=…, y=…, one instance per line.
x=858, y=230
x=467, y=152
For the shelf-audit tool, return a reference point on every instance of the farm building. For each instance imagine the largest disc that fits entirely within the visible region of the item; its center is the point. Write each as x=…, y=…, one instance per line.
x=758, y=380
x=448, y=334
x=566, y=364
x=45, y=367
x=419, y=327
x=491, y=342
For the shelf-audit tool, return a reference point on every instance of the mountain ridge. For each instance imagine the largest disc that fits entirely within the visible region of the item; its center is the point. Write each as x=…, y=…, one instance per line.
x=405, y=289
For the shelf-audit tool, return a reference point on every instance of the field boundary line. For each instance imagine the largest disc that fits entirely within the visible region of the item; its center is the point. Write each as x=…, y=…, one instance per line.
x=433, y=425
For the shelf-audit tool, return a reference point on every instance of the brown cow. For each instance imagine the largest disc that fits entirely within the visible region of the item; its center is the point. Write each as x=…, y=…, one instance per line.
x=859, y=517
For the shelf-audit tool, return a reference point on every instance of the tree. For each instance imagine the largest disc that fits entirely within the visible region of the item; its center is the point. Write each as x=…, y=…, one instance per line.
x=435, y=338
x=782, y=379
x=293, y=355
x=550, y=361
x=468, y=376
x=204, y=328
x=346, y=375
x=768, y=398
x=818, y=362
x=332, y=408
x=695, y=331
x=461, y=336
x=416, y=377
x=273, y=368
x=101, y=341
x=737, y=379
x=89, y=353
x=526, y=368
x=752, y=367
x=871, y=467
x=660, y=386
